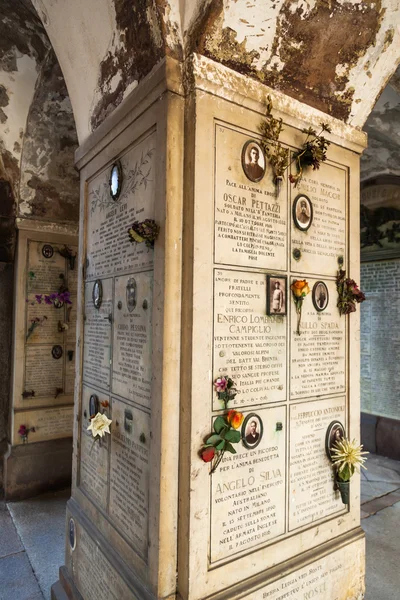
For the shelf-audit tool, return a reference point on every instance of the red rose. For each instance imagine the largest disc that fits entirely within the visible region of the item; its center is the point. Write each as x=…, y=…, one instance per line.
x=208, y=454
x=22, y=430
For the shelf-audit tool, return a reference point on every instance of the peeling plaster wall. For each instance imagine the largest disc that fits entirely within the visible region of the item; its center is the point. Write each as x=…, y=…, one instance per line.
x=105, y=47
x=335, y=56
x=383, y=127
x=323, y=54
x=49, y=184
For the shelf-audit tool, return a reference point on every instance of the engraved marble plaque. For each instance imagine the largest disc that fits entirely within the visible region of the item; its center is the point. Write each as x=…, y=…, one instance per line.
x=44, y=273
x=250, y=220
x=131, y=376
x=129, y=474
x=43, y=373
x=109, y=250
x=49, y=423
x=325, y=240
x=93, y=456
x=311, y=493
x=318, y=354
x=248, y=491
x=47, y=330
x=97, y=337
x=249, y=346
x=337, y=576
x=94, y=575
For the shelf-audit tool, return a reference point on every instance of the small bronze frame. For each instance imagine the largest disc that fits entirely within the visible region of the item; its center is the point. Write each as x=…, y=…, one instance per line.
x=320, y=296
x=334, y=432
x=280, y=300
x=116, y=178
x=246, y=435
x=302, y=219
x=252, y=169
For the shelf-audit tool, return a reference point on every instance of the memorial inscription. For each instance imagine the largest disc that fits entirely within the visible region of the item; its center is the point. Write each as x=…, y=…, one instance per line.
x=131, y=376
x=248, y=491
x=129, y=474
x=109, y=250
x=249, y=346
x=49, y=423
x=44, y=273
x=250, y=221
x=318, y=355
x=321, y=238
x=43, y=373
x=95, y=577
x=97, y=336
x=311, y=492
x=94, y=455
x=339, y=575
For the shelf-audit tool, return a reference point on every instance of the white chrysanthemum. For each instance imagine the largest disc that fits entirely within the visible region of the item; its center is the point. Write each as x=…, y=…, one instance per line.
x=99, y=425
x=348, y=456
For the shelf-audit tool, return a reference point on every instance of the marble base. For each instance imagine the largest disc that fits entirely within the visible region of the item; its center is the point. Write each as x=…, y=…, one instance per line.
x=312, y=568
x=31, y=469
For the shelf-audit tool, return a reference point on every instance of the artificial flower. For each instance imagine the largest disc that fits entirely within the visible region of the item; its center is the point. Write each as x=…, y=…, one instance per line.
x=207, y=454
x=220, y=384
x=99, y=425
x=235, y=418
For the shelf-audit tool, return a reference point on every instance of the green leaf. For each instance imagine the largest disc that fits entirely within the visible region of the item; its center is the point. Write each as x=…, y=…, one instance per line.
x=213, y=440
x=233, y=436
x=221, y=445
x=219, y=424
x=230, y=448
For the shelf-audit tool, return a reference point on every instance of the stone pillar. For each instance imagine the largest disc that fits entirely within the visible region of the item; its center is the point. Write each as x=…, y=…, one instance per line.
x=157, y=327
x=43, y=361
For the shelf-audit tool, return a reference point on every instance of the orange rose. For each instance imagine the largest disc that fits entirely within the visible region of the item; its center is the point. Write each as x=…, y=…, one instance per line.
x=235, y=418
x=300, y=288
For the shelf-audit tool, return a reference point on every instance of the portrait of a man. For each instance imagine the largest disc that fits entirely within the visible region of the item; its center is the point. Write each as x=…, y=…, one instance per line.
x=302, y=212
x=276, y=302
x=252, y=430
x=320, y=296
x=253, y=161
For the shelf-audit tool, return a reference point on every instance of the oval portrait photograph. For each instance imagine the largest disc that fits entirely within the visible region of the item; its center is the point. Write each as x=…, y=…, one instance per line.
x=116, y=180
x=131, y=294
x=252, y=431
x=334, y=433
x=253, y=161
x=320, y=296
x=97, y=294
x=302, y=212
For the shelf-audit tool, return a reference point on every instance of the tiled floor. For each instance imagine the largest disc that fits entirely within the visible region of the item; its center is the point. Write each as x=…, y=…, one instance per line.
x=32, y=538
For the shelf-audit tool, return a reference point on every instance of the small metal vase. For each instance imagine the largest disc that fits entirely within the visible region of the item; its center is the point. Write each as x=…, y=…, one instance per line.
x=344, y=488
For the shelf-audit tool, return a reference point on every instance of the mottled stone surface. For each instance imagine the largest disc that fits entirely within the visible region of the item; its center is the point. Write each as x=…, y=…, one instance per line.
x=49, y=185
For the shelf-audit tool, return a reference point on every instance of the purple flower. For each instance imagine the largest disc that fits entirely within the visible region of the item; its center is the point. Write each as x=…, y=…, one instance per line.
x=39, y=298
x=48, y=300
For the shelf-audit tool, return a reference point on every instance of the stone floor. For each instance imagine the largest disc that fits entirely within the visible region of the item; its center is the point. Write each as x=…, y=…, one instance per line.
x=32, y=538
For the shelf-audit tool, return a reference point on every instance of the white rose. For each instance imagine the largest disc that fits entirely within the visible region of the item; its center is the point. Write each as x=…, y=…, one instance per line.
x=99, y=425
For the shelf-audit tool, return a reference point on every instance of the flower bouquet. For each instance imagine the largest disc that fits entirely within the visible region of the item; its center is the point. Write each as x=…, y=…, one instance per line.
x=349, y=293
x=347, y=458
x=145, y=231
x=225, y=434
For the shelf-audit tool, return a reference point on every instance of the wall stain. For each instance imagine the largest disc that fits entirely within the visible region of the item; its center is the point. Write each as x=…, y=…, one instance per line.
x=139, y=26
x=308, y=48
x=49, y=185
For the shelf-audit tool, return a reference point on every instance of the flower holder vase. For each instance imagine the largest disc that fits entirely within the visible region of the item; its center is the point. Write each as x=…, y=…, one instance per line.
x=344, y=489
